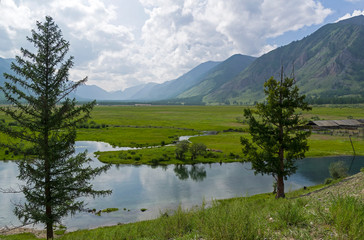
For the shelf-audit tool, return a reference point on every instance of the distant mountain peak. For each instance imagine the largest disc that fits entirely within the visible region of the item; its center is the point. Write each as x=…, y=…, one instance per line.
x=357, y=20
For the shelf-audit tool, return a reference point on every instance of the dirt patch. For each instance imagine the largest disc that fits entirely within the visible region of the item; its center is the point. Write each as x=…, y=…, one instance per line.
x=350, y=186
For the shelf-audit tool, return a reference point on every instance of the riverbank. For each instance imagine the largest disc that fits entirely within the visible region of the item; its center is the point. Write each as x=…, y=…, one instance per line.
x=225, y=147
x=333, y=211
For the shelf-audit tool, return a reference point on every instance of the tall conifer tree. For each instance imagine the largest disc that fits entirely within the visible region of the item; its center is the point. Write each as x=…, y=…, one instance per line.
x=46, y=128
x=278, y=131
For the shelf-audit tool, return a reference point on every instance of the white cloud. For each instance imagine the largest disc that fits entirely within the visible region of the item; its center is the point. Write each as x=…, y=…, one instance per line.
x=354, y=14
x=177, y=35
x=267, y=48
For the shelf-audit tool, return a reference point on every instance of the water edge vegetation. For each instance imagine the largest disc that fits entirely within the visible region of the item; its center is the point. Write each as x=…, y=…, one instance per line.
x=334, y=211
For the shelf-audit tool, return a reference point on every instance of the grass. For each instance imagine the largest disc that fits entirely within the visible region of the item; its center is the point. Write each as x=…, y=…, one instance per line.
x=347, y=216
x=202, y=118
x=21, y=236
x=326, y=145
x=108, y=210
x=133, y=136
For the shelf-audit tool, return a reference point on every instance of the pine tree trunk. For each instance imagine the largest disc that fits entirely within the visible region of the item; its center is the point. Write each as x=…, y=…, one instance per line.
x=280, y=187
x=48, y=196
x=49, y=229
x=280, y=179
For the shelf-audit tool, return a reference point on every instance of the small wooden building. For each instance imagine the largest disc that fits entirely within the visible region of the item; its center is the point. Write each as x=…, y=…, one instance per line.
x=337, y=124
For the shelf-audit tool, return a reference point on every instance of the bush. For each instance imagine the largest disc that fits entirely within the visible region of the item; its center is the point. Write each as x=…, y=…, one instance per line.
x=154, y=162
x=197, y=149
x=107, y=210
x=13, y=124
x=328, y=181
x=338, y=170
x=181, y=149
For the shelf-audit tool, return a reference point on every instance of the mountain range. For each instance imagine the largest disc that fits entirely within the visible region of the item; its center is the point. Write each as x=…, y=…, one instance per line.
x=328, y=67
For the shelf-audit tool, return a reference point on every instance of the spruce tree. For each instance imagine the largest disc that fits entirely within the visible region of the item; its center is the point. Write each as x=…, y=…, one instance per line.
x=45, y=131
x=279, y=135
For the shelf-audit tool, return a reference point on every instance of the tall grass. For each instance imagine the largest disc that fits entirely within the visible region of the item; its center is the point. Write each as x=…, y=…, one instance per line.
x=291, y=213
x=347, y=216
x=261, y=217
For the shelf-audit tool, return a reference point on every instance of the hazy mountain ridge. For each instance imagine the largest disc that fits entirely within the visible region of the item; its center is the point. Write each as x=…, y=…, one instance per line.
x=173, y=88
x=218, y=75
x=150, y=91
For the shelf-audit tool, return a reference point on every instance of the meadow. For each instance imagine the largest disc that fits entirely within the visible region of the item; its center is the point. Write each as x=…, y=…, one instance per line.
x=146, y=126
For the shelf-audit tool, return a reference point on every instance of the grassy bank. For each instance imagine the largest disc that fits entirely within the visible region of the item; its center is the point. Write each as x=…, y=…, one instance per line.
x=326, y=212
x=227, y=148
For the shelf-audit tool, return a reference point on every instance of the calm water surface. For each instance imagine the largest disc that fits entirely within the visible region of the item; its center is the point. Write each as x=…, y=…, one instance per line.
x=161, y=188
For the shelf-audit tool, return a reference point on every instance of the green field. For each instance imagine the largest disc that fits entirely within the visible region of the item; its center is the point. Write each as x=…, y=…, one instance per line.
x=143, y=126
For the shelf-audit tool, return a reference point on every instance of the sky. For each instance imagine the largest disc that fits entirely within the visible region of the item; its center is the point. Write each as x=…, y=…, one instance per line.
x=124, y=43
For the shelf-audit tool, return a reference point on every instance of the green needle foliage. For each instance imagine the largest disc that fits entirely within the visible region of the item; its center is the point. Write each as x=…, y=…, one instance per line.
x=46, y=126
x=278, y=134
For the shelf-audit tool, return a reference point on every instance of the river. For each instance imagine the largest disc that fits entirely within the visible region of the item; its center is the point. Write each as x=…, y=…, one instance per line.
x=158, y=189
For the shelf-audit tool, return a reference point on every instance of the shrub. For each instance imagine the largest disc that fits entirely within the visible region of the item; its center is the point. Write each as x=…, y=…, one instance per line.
x=107, y=210
x=13, y=124
x=197, y=149
x=181, y=149
x=154, y=161
x=328, y=181
x=338, y=170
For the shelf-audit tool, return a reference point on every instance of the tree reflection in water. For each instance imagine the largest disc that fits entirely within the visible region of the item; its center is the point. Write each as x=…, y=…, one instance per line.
x=196, y=173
